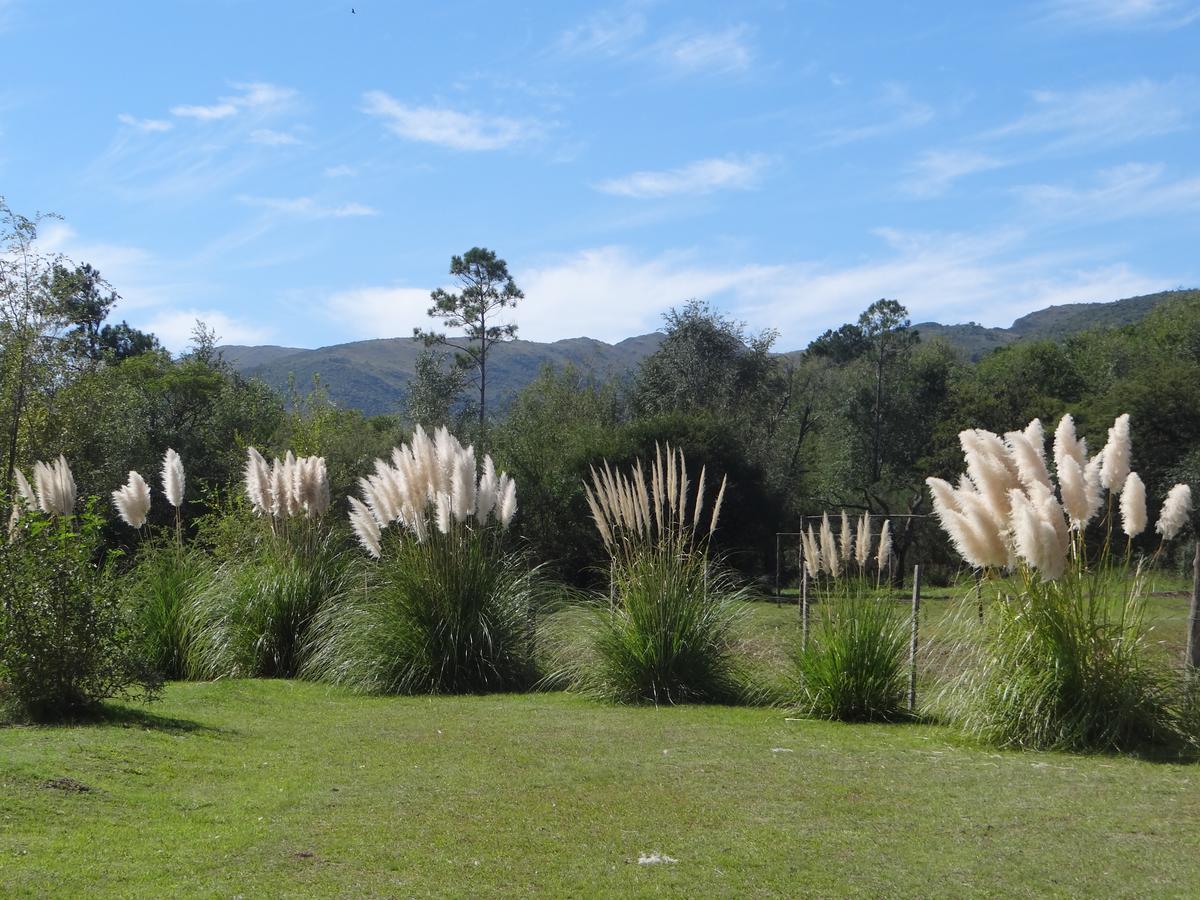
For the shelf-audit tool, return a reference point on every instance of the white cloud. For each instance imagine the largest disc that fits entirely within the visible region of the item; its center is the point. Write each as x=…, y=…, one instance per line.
x=1105, y=115
x=147, y=125
x=447, y=127
x=1131, y=190
x=257, y=95
x=718, y=51
x=273, y=138
x=935, y=171
x=701, y=177
x=342, y=171
x=174, y=327
x=308, y=207
x=373, y=312
x=1095, y=14
x=605, y=33
x=895, y=110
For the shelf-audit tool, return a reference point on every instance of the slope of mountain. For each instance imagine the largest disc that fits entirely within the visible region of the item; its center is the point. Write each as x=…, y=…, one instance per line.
x=1053, y=322
x=373, y=375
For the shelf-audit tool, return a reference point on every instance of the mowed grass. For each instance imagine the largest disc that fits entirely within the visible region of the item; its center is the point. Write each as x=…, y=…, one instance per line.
x=275, y=788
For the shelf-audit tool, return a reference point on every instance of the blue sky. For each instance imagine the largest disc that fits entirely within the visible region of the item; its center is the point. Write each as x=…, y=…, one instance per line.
x=296, y=174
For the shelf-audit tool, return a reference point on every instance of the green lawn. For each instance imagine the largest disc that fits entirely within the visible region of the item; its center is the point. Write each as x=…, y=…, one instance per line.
x=275, y=788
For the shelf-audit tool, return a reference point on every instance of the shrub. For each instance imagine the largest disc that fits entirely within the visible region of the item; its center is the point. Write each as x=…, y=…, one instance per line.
x=65, y=644
x=853, y=667
x=446, y=609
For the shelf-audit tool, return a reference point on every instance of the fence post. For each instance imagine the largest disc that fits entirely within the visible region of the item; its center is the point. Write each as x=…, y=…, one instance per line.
x=912, y=644
x=1193, y=639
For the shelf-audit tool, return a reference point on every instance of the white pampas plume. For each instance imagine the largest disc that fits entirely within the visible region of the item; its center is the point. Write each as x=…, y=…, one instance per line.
x=1116, y=455
x=507, y=489
x=716, y=513
x=443, y=512
x=1073, y=488
x=173, y=478
x=829, y=555
x=884, y=556
x=1028, y=457
x=364, y=526
x=812, y=553
x=1095, y=489
x=24, y=500
x=133, y=501
x=968, y=519
x=281, y=489
x=487, y=492
x=55, y=487
x=1133, y=506
x=991, y=470
x=1067, y=445
x=1175, y=511
x=862, y=542
x=1034, y=537
x=463, y=484
x=846, y=540
x=257, y=477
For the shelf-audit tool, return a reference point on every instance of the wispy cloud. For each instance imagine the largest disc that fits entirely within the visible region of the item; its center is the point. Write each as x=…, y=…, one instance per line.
x=895, y=110
x=372, y=312
x=624, y=33
x=251, y=95
x=342, y=171
x=447, y=127
x=1128, y=191
x=147, y=125
x=271, y=138
x=701, y=177
x=935, y=171
x=174, y=327
x=1105, y=115
x=309, y=208
x=1121, y=14
x=719, y=51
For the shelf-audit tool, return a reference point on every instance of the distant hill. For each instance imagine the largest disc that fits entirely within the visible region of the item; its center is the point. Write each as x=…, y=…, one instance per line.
x=373, y=375
x=1051, y=323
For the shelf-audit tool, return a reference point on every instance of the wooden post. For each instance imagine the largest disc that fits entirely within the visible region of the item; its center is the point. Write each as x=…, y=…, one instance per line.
x=1193, y=640
x=912, y=644
x=778, y=588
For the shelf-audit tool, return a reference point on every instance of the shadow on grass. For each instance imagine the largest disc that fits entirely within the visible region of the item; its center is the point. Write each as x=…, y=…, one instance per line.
x=115, y=715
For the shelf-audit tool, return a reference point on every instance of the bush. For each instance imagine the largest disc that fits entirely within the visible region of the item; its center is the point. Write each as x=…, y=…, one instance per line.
x=1068, y=665
x=449, y=614
x=853, y=668
x=254, y=617
x=162, y=594
x=65, y=644
x=669, y=635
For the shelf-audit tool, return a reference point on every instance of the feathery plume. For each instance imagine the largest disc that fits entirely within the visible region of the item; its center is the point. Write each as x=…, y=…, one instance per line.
x=1073, y=488
x=1133, y=506
x=257, y=477
x=443, y=512
x=55, y=487
x=1095, y=488
x=365, y=526
x=24, y=496
x=716, y=513
x=508, y=500
x=487, y=493
x=1116, y=455
x=1175, y=511
x=812, y=553
x=173, y=478
x=862, y=541
x=133, y=501
x=884, y=556
x=829, y=554
x=1028, y=457
x=1067, y=445
x=846, y=540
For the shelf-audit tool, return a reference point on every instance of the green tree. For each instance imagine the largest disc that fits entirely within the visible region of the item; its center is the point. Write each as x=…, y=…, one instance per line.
x=486, y=290
x=434, y=395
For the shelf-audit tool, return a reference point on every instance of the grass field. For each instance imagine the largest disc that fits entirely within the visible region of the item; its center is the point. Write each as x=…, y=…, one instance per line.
x=274, y=788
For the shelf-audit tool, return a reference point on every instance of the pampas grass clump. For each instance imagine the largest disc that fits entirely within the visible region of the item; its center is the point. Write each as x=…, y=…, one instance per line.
x=441, y=606
x=1063, y=665
x=664, y=633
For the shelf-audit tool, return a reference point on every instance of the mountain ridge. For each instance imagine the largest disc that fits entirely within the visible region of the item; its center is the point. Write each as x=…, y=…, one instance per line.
x=372, y=375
